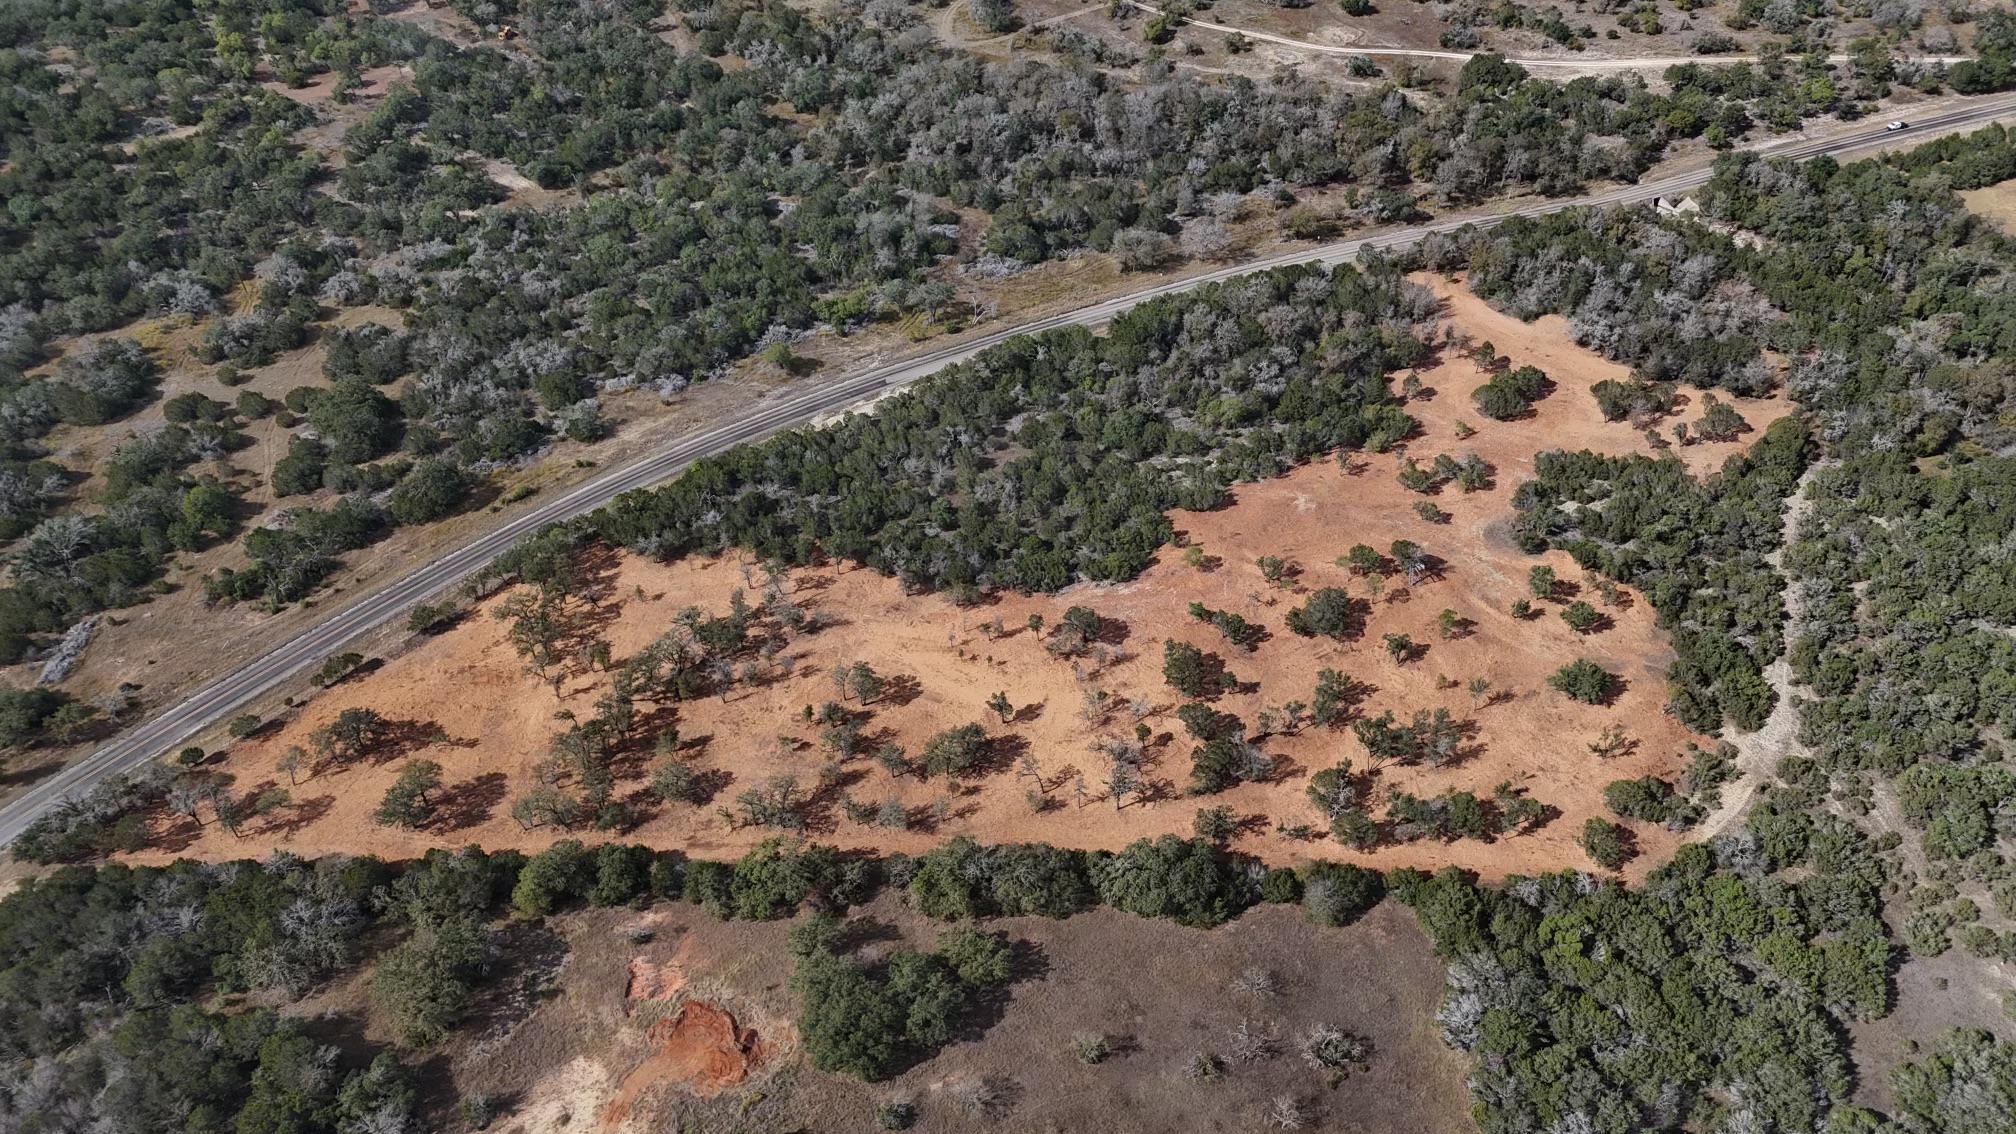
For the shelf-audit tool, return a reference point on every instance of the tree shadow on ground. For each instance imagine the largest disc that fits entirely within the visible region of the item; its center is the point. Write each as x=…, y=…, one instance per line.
x=860, y=932
x=297, y=816
x=999, y=754
x=900, y=690
x=398, y=739
x=169, y=831
x=467, y=804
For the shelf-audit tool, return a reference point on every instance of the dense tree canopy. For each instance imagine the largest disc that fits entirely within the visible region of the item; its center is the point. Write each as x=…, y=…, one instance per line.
x=157, y=175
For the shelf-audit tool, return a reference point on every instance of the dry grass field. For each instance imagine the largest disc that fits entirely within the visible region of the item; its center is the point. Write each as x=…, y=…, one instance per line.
x=672, y=1020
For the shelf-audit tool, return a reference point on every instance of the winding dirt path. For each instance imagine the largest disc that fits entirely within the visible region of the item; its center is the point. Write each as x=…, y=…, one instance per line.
x=1758, y=753
x=1650, y=62
x=945, y=25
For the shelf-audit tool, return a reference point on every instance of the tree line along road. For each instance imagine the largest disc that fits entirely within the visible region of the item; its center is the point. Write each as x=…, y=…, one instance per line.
x=1568, y=62
x=176, y=724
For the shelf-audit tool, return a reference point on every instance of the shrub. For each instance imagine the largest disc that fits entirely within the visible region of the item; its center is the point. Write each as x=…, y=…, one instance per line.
x=1329, y=612
x=1585, y=681
x=427, y=983
x=481, y=1109
x=1339, y=893
x=432, y=490
x=1090, y=1047
x=954, y=751
x=1326, y=1047
x=1188, y=881
x=1183, y=668
x=897, y=1114
x=1581, y=617
x=1607, y=843
x=554, y=875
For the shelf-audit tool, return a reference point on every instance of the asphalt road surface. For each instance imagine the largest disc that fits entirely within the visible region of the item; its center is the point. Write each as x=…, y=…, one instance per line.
x=174, y=725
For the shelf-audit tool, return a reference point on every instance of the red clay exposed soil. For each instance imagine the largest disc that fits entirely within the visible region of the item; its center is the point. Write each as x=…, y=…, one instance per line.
x=466, y=700
x=701, y=1050
x=659, y=980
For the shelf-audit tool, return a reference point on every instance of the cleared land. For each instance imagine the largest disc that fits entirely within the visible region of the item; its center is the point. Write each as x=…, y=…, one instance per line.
x=466, y=700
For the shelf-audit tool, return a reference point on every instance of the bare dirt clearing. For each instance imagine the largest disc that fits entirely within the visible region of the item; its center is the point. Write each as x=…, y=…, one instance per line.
x=438, y=19
x=320, y=90
x=467, y=701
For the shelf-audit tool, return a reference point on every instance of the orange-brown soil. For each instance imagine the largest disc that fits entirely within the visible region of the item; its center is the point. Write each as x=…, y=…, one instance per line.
x=701, y=1050
x=466, y=700
x=659, y=980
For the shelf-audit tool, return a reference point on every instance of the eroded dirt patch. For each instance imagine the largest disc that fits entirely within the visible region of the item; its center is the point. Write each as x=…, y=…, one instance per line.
x=701, y=1050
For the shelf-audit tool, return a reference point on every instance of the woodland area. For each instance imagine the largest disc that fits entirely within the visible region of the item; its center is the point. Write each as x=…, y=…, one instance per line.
x=158, y=176
x=149, y=173
x=105, y=966
x=1899, y=360
x=1896, y=360
x=1626, y=1007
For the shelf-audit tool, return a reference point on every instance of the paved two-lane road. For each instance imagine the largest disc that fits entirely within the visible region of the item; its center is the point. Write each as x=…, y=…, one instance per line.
x=174, y=725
